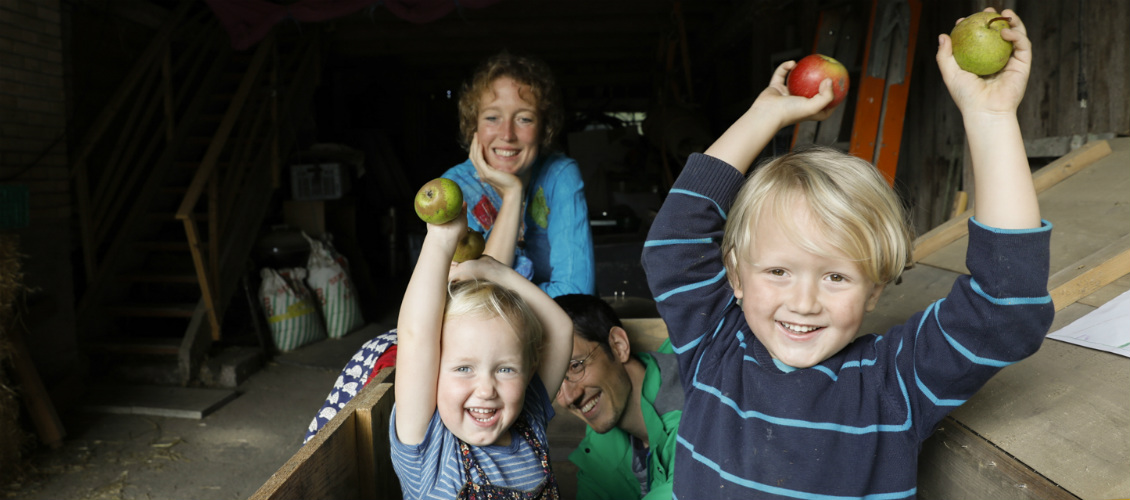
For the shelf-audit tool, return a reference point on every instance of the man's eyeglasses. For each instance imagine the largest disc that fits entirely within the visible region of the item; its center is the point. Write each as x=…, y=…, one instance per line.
x=576, y=369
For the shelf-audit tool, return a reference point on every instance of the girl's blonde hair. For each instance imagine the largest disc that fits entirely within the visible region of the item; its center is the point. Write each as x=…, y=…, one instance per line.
x=527, y=71
x=485, y=299
x=850, y=202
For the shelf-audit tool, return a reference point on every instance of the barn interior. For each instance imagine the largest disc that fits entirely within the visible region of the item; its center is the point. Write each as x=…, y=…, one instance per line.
x=159, y=155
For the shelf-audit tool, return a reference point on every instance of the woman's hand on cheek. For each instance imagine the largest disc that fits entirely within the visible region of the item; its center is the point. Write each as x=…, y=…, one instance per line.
x=501, y=181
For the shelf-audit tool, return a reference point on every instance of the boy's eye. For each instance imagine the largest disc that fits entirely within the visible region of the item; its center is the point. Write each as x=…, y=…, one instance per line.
x=837, y=278
x=463, y=369
x=777, y=272
x=506, y=369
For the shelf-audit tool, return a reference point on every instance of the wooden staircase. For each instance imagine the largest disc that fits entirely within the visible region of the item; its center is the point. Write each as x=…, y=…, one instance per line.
x=173, y=182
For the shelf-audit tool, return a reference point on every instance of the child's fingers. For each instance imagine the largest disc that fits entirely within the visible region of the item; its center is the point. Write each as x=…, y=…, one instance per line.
x=1014, y=22
x=781, y=73
x=946, y=63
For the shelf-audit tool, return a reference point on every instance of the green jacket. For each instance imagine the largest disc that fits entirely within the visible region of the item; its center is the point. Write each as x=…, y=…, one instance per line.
x=604, y=461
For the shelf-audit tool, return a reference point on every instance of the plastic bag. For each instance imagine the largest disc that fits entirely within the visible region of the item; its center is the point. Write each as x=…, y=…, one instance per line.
x=290, y=308
x=329, y=280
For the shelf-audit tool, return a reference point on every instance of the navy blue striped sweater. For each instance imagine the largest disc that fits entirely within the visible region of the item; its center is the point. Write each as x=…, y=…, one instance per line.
x=851, y=426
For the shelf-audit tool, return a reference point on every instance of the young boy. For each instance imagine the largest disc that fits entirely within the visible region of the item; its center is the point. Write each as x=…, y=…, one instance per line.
x=764, y=290
x=472, y=370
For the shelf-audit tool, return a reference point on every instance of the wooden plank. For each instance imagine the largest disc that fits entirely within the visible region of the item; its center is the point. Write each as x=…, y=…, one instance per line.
x=1064, y=412
x=957, y=463
x=645, y=334
x=161, y=401
x=374, y=464
x=329, y=465
x=1046, y=177
x=1090, y=274
x=1088, y=210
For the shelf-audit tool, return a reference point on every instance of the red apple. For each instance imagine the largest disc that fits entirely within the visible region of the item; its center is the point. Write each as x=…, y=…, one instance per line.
x=804, y=79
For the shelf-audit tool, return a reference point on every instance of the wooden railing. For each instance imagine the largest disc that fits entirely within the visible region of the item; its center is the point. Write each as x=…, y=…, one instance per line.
x=247, y=143
x=135, y=149
x=120, y=166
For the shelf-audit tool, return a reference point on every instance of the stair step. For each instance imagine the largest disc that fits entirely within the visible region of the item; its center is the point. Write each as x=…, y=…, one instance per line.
x=135, y=345
x=193, y=165
x=165, y=310
x=159, y=278
x=172, y=216
x=163, y=246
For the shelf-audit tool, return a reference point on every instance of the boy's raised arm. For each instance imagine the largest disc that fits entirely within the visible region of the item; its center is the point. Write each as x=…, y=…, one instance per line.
x=773, y=110
x=1004, y=196
x=557, y=345
x=419, y=327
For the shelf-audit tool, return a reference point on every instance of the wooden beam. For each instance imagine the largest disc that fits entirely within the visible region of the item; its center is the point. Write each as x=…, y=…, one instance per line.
x=1090, y=274
x=957, y=463
x=374, y=415
x=953, y=229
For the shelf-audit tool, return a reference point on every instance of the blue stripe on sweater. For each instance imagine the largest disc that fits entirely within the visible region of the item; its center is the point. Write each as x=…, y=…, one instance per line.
x=696, y=195
x=683, y=241
x=793, y=422
x=1010, y=301
x=957, y=345
x=777, y=490
x=692, y=286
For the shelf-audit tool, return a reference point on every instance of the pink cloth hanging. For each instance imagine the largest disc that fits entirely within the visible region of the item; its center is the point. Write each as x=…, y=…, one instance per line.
x=248, y=21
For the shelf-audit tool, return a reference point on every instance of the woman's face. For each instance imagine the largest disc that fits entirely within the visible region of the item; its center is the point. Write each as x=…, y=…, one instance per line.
x=508, y=126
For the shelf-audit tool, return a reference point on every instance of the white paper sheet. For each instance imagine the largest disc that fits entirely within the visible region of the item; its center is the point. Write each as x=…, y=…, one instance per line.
x=1106, y=328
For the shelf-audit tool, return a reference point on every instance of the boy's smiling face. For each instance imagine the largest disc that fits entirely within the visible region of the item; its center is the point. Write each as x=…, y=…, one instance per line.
x=482, y=379
x=804, y=307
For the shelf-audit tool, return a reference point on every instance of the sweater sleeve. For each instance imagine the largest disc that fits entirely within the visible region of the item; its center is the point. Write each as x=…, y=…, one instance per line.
x=993, y=317
x=682, y=254
x=571, y=258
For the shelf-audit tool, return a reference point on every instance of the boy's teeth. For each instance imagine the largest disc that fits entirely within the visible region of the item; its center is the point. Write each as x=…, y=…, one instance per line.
x=798, y=328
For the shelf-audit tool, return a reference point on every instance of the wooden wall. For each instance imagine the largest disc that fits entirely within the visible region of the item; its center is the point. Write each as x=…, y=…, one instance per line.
x=1079, y=49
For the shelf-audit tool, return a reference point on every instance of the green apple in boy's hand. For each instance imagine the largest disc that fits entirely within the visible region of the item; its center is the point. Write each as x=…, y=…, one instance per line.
x=439, y=201
x=977, y=43
x=470, y=246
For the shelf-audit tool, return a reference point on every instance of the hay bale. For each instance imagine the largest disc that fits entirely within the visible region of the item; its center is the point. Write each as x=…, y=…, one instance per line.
x=13, y=438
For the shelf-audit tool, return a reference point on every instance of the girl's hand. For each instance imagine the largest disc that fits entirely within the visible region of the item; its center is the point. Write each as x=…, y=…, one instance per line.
x=449, y=233
x=999, y=93
x=502, y=182
x=776, y=102
x=485, y=267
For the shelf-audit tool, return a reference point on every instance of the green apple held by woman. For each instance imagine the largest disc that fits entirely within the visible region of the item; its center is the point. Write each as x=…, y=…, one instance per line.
x=977, y=43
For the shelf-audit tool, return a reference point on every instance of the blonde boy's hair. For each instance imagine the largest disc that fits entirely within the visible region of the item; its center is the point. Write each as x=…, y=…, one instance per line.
x=848, y=199
x=527, y=71
x=485, y=299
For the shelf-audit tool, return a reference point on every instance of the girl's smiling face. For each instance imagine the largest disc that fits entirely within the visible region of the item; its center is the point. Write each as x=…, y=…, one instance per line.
x=803, y=306
x=508, y=126
x=482, y=379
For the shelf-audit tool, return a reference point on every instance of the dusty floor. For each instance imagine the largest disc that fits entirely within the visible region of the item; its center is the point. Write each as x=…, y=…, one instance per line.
x=226, y=455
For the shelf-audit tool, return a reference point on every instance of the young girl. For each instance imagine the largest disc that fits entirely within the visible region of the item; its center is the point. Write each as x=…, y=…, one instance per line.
x=474, y=360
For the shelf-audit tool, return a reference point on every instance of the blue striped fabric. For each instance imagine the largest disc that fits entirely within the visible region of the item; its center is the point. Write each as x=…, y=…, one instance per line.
x=851, y=426
x=432, y=469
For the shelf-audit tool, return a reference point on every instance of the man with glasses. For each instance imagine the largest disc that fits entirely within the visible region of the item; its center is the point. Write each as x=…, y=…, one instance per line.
x=631, y=402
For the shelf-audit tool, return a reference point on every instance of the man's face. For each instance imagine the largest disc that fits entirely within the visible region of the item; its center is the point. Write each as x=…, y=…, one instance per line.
x=600, y=393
